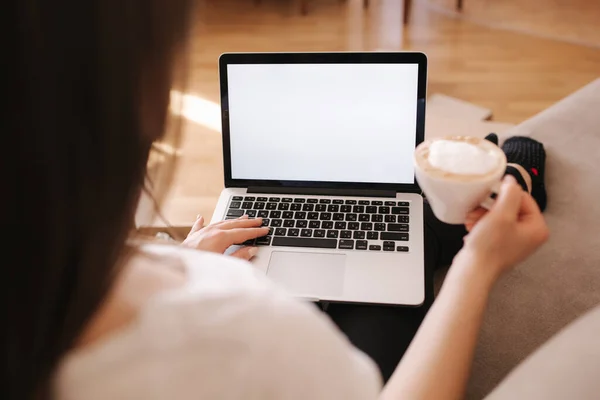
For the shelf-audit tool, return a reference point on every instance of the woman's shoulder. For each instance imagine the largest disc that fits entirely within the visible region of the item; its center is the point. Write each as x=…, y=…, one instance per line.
x=227, y=324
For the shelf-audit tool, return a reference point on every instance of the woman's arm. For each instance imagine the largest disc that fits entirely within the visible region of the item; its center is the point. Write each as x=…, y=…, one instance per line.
x=438, y=361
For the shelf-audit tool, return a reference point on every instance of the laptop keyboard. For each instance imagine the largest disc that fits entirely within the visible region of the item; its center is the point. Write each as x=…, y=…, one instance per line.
x=368, y=225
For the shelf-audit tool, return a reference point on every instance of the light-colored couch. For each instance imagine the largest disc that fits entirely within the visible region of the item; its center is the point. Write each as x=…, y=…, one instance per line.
x=562, y=281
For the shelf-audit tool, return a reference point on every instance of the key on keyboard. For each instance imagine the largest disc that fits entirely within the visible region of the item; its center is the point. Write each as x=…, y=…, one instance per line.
x=305, y=242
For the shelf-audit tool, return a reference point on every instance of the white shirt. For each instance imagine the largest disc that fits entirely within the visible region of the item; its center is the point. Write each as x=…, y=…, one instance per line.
x=228, y=334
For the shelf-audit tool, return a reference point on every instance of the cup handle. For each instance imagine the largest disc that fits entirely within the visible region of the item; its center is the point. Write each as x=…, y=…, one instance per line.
x=488, y=203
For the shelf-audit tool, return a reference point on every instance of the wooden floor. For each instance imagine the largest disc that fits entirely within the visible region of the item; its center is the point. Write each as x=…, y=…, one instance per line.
x=514, y=74
x=576, y=21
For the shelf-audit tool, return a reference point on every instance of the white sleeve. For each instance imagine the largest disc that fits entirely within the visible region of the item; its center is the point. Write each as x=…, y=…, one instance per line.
x=304, y=356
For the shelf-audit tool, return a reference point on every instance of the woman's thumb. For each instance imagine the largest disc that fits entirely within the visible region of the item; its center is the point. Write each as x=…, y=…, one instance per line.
x=245, y=253
x=509, y=197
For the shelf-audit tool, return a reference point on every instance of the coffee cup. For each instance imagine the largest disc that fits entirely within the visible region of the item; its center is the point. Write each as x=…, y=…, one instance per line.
x=458, y=174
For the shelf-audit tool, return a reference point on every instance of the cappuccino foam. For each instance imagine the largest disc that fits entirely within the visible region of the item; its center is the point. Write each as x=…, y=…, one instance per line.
x=461, y=158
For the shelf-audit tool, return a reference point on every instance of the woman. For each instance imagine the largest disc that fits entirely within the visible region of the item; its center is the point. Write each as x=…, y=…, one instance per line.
x=91, y=314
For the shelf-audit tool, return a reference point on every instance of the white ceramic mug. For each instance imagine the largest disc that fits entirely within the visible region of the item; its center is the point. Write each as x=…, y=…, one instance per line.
x=452, y=199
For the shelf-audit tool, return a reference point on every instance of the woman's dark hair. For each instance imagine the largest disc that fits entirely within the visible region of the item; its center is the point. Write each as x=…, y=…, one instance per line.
x=86, y=94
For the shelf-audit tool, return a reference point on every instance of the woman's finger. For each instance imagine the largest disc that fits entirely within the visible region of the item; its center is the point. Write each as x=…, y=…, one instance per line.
x=240, y=235
x=476, y=214
x=241, y=223
x=532, y=220
x=509, y=198
x=199, y=224
x=469, y=225
x=473, y=217
x=245, y=216
x=529, y=206
x=245, y=253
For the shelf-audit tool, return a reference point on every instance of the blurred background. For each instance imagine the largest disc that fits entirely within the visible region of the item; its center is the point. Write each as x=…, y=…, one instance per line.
x=492, y=63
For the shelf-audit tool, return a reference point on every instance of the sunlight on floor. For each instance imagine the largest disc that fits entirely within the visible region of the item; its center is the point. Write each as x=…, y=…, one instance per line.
x=196, y=109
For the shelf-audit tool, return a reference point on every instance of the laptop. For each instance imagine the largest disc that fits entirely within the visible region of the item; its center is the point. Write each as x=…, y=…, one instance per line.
x=320, y=145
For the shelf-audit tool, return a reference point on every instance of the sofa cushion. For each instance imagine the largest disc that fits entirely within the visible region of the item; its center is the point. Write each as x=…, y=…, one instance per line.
x=562, y=280
x=566, y=367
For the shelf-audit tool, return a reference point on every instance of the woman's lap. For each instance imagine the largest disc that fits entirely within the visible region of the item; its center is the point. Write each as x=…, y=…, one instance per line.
x=384, y=332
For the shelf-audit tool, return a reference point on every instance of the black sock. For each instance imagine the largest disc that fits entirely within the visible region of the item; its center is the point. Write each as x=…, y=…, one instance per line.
x=492, y=137
x=529, y=154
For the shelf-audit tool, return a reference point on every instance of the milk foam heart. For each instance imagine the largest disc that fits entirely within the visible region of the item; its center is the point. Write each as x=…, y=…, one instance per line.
x=459, y=157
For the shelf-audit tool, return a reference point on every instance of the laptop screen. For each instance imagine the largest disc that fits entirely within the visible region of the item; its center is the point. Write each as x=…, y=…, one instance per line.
x=323, y=122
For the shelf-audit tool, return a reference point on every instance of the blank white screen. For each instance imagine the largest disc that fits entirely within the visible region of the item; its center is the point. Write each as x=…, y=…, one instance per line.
x=323, y=122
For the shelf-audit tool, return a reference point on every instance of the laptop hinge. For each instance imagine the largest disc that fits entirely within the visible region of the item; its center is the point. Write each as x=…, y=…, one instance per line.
x=323, y=191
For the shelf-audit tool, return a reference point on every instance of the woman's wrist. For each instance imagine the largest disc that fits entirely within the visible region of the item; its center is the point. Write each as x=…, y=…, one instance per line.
x=469, y=267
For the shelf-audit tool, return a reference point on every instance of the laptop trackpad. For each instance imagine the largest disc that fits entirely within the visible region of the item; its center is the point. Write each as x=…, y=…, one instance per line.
x=314, y=274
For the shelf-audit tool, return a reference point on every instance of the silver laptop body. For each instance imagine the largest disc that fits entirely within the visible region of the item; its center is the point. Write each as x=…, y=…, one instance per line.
x=320, y=146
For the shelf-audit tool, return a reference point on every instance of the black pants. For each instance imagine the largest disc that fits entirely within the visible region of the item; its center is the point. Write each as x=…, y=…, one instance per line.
x=384, y=332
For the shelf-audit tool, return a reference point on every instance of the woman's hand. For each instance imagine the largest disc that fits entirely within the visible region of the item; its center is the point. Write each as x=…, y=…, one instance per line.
x=511, y=231
x=219, y=236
